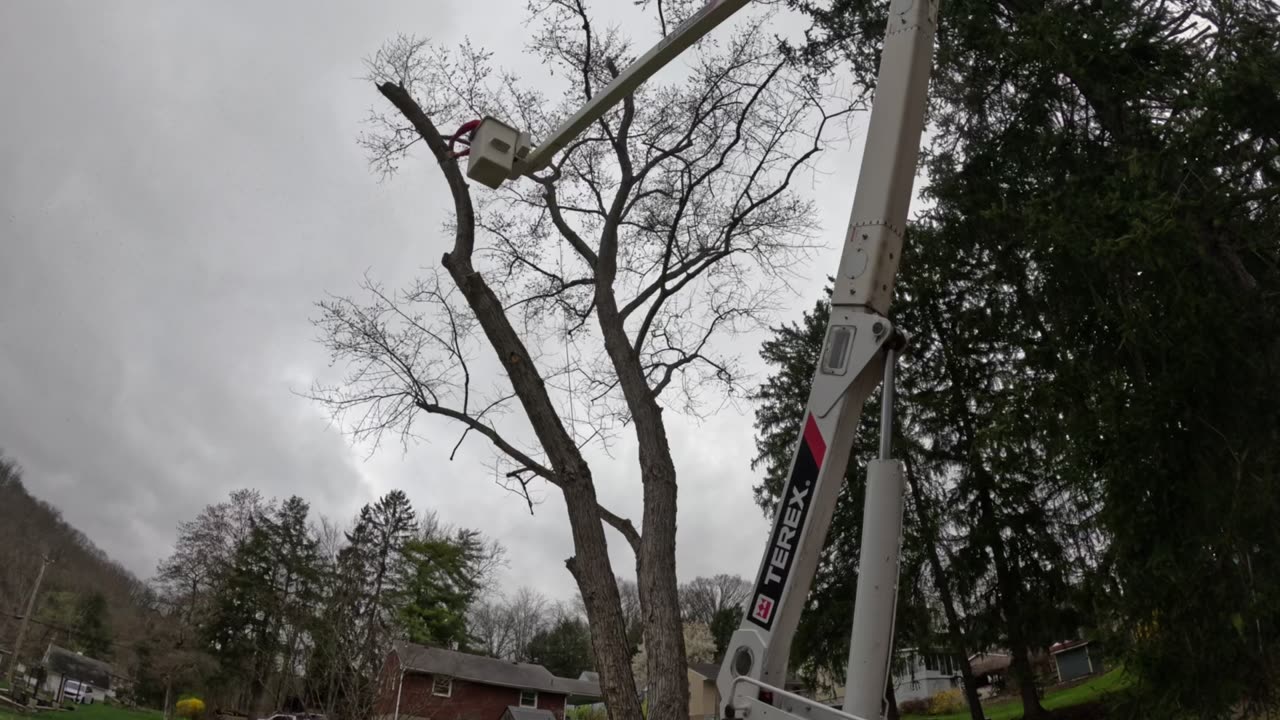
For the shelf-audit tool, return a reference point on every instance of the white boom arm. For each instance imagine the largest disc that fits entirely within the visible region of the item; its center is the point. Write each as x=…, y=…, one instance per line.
x=500, y=152
x=860, y=343
x=858, y=339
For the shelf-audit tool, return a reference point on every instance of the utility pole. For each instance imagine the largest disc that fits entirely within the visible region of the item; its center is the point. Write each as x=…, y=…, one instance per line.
x=22, y=629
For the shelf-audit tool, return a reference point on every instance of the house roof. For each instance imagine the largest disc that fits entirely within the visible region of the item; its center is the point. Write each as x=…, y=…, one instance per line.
x=578, y=688
x=523, y=713
x=490, y=671
x=989, y=663
x=78, y=667
x=710, y=671
x=1067, y=645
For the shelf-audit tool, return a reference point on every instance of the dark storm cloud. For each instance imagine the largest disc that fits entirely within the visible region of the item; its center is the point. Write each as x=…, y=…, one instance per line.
x=178, y=184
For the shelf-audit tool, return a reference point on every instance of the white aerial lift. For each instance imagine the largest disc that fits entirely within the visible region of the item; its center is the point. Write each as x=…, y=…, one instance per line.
x=858, y=352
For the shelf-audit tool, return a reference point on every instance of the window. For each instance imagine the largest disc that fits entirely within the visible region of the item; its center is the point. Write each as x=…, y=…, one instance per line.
x=442, y=686
x=529, y=698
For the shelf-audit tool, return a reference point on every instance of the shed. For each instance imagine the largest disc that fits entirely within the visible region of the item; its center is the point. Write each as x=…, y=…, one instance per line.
x=1074, y=659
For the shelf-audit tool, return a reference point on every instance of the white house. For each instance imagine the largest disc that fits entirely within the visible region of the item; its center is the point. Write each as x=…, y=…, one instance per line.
x=74, y=676
x=919, y=674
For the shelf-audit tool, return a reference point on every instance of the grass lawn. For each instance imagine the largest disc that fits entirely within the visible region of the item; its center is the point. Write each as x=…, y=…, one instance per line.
x=96, y=711
x=1075, y=695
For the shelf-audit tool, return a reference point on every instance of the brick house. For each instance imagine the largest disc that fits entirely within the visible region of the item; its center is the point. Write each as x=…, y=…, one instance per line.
x=425, y=683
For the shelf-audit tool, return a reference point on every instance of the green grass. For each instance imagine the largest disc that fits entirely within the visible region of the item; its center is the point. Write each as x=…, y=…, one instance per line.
x=1076, y=695
x=96, y=711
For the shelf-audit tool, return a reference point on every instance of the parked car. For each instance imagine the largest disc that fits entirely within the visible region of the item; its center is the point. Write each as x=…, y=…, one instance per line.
x=78, y=692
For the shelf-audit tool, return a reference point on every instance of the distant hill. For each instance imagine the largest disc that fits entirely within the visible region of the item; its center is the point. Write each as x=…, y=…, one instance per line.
x=87, y=602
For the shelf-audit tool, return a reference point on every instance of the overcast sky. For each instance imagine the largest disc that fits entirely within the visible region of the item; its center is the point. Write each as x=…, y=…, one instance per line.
x=179, y=183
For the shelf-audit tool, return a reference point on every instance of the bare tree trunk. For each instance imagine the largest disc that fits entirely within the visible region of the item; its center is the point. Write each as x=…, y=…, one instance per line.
x=592, y=569
x=590, y=566
x=1007, y=584
x=954, y=634
x=285, y=684
x=988, y=533
x=667, y=673
x=168, y=697
x=1026, y=680
x=890, y=701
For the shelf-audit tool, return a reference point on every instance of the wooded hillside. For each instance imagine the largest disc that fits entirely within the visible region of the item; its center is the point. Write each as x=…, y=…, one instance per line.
x=87, y=600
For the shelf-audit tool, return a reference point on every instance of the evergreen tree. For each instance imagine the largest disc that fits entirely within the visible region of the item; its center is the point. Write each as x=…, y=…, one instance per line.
x=564, y=648
x=336, y=667
x=263, y=603
x=1106, y=173
x=723, y=624
x=376, y=555
x=821, y=648
x=93, y=630
x=242, y=632
x=298, y=576
x=433, y=605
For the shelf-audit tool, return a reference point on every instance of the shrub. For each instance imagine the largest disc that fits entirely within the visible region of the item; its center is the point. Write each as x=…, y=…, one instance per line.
x=913, y=707
x=192, y=708
x=586, y=712
x=946, y=702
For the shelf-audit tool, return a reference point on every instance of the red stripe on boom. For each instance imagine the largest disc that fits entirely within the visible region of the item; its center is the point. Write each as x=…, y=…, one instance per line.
x=813, y=438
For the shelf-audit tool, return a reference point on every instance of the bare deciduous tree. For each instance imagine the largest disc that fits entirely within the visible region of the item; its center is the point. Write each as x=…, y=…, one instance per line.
x=703, y=597
x=600, y=285
x=503, y=627
x=201, y=553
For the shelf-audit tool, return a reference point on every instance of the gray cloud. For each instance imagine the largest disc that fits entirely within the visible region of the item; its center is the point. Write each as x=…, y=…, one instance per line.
x=178, y=184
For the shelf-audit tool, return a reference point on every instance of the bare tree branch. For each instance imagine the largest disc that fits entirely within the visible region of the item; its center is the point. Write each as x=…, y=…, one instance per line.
x=681, y=221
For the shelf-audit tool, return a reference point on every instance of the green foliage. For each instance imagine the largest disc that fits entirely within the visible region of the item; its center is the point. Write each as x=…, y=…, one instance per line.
x=58, y=609
x=396, y=576
x=564, y=649
x=191, y=708
x=1103, y=177
x=586, y=712
x=723, y=624
x=96, y=711
x=822, y=641
x=1104, y=688
x=148, y=685
x=439, y=588
x=264, y=596
x=93, y=630
x=947, y=701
